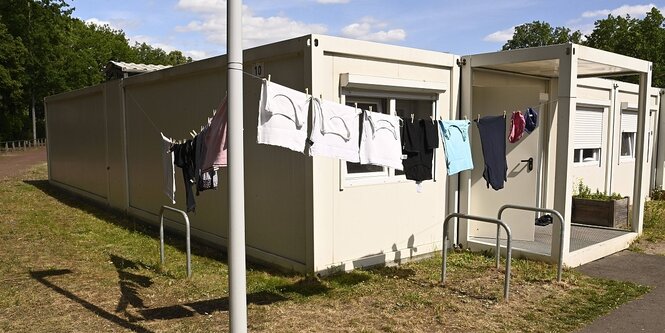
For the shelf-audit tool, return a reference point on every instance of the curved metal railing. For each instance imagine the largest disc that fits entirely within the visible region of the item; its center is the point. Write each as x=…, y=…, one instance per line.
x=161, y=236
x=536, y=209
x=499, y=223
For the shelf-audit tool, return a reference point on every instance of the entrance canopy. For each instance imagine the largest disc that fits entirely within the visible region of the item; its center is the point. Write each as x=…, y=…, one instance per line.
x=563, y=65
x=546, y=62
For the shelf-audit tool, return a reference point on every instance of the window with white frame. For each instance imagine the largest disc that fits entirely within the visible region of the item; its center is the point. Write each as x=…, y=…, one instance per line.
x=628, y=134
x=588, y=135
x=421, y=107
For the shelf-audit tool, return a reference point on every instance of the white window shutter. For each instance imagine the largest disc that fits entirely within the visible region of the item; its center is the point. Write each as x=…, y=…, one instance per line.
x=588, y=128
x=628, y=121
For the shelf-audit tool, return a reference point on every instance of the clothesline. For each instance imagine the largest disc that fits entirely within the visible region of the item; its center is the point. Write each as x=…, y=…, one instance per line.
x=536, y=107
x=152, y=123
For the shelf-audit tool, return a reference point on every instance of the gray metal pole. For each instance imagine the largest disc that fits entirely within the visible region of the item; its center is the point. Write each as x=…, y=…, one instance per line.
x=34, y=121
x=237, y=270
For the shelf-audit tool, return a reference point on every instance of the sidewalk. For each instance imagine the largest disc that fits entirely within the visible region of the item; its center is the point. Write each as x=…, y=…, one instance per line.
x=645, y=314
x=17, y=162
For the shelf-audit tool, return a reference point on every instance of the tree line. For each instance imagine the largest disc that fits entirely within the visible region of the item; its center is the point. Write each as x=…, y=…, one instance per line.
x=638, y=38
x=45, y=51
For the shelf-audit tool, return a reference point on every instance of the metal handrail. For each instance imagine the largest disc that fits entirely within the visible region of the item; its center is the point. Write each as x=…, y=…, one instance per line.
x=543, y=210
x=506, y=283
x=161, y=237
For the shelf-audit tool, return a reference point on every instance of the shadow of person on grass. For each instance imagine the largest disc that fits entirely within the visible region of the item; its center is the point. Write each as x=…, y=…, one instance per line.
x=130, y=285
x=42, y=277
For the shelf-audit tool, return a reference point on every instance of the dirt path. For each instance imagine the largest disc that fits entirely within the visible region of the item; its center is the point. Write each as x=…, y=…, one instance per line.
x=15, y=163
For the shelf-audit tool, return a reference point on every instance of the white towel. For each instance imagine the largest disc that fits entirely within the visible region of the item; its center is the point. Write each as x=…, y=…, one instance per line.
x=169, y=172
x=335, y=131
x=381, y=143
x=282, y=117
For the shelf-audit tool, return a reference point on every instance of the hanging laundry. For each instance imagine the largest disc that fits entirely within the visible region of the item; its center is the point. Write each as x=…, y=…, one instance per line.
x=215, y=150
x=185, y=158
x=456, y=144
x=381, y=143
x=419, y=140
x=205, y=180
x=167, y=165
x=335, y=131
x=282, y=117
x=492, y=130
x=516, y=127
x=531, y=120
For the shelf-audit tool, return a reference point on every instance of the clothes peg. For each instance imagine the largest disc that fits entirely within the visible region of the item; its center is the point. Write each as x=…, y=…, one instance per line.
x=321, y=96
x=268, y=77
x=504, y=113
x=478, y=119
x=412, y=118
x=465, y=118
x=370, y=108
x=306, y=91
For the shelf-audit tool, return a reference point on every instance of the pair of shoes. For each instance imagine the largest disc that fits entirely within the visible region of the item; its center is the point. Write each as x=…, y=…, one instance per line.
x=544, y=220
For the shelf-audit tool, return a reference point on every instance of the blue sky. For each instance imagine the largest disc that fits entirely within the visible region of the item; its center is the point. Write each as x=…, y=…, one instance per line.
x=198, y=27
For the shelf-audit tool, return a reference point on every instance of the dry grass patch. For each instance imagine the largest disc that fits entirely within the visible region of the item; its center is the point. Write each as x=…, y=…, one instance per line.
x=67, y=265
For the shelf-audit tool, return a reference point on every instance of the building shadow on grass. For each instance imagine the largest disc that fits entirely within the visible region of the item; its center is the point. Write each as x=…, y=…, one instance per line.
x=131, y=283
x=122, y=220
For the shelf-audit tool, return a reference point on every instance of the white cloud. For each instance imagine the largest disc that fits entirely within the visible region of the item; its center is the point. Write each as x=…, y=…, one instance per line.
x=114, y=23
x=151, y=41
x=196, y=54
x=636, y=11
x=203, y=6
x=101, y=23
x=257, y=30
x=366, y=30
x=500, y=36
x=332, y=1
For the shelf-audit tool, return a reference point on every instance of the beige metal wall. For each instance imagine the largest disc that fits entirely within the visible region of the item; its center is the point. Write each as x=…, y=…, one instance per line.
x=493, y=94
x=76, y=130
x=376, y=222
x=180, y=100
x=596, y=94
x=614, y=174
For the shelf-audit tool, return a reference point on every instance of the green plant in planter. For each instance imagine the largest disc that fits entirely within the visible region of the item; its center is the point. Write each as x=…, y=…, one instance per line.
x=582, y=191
x=657, y=194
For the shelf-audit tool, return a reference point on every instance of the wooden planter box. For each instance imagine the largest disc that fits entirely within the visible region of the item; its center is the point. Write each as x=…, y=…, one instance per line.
x=612, y=213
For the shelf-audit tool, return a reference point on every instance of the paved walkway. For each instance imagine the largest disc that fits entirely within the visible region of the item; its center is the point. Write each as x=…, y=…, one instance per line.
x=15, y=163
x=646, y=314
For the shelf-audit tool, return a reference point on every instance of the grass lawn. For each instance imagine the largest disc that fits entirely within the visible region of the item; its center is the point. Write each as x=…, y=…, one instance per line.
x=67, y=265
x=652, y=240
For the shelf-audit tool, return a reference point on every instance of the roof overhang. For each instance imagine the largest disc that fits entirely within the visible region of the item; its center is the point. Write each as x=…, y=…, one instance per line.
x=544, y=61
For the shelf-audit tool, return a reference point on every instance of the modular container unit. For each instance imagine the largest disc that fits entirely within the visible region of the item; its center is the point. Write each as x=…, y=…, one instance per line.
x=583, y=120
x=309, y=214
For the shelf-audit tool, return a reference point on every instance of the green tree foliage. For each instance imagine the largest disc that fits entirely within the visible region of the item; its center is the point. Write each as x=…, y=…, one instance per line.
x=12, y=77
x=147, y=54
x=539, y=33
x=45, y=51
x=639, y=38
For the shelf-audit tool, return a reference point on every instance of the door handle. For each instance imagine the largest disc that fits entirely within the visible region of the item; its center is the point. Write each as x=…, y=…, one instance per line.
x=529, y=164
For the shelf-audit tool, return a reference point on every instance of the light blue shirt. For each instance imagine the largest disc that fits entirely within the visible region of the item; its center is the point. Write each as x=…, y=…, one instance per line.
x=455, y=137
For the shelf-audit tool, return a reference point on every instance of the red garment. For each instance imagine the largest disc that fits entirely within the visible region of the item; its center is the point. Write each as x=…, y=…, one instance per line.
x=215, y=140
x=517, y=127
